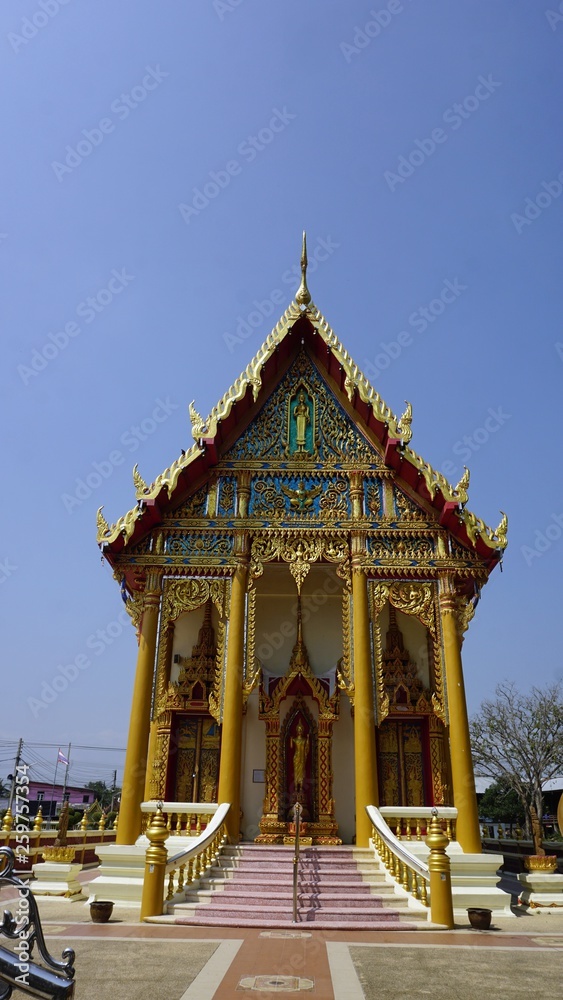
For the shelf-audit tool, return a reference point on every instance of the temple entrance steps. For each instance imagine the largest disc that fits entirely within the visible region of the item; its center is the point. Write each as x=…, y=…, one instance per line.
x=339, y=887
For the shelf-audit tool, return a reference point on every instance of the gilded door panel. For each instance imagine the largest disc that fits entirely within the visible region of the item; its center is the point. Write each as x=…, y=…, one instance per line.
x=401, y=758
x=198, y=745
x=389, y=775
x=186, y=742
x=209, y=761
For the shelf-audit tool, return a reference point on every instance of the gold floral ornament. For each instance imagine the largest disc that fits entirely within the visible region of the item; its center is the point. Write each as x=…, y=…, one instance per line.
x=462, y=487
x=404, y=424
x=414, y=599
x=141, y=488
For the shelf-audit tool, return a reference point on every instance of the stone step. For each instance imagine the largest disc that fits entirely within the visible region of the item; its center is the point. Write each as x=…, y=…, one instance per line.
x=265, y=885
x=251, y=865
x=220, y=907
x=241, y=920
x=252, y=886
x=275, y=900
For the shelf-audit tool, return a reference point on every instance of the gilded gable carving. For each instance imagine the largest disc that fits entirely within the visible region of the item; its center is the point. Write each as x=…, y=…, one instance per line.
x=303, y=421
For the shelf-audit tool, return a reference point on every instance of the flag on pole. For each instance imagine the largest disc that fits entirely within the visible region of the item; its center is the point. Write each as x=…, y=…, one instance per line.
x=62, y=759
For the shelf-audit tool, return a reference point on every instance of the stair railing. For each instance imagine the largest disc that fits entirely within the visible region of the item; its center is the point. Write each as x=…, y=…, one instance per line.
x=414, y=875
x=182, y=869
x=413, y=822
x=297, y=819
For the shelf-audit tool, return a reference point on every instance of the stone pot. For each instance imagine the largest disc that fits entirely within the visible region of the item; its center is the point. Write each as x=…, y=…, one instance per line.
x=101, y=910
x=479, y=917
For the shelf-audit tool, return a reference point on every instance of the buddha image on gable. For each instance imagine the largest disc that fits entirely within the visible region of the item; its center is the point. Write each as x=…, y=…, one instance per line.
x=301, y=431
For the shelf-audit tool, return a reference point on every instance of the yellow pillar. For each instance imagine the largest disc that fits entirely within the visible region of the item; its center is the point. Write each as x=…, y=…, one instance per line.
x=465, y=800
x=364, y=720
x=231, y=734
x=139, y=726
x=152, y=791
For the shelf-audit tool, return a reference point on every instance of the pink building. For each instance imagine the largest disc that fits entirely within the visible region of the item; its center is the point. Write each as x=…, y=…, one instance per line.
x=42, y=793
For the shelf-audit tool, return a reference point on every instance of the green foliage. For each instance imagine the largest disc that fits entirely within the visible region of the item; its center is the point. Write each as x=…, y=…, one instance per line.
x=501, y=804
x=74, y=818
x=104, y=794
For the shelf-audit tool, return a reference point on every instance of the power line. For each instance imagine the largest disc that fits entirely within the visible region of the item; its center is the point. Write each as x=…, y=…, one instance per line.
x=76, y=746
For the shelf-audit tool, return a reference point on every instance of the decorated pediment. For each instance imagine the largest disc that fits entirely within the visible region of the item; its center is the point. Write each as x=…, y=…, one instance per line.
x=303, y=423
x=299, y=422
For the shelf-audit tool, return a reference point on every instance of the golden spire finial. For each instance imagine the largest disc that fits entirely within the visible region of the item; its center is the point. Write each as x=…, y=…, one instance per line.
x=303, y=296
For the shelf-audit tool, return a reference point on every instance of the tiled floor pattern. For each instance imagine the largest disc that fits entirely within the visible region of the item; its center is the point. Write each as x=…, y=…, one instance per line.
x=325, y=965
x=179, y=962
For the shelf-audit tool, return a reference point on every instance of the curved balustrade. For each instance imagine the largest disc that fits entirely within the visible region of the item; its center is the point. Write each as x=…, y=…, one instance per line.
x=167, y=877
x=183, y=819
x=413, y=874
x=412, y=822
x=408, y=870
x=187, y=866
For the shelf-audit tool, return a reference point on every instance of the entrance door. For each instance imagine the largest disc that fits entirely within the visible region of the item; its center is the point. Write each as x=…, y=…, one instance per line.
x=402, y=758
x=198, y=744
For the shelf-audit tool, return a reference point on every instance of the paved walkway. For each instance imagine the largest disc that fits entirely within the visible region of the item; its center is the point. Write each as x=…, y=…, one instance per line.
x=127, y=960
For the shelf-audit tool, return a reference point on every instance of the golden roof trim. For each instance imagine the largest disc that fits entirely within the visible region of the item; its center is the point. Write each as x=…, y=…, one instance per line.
x=355, y=381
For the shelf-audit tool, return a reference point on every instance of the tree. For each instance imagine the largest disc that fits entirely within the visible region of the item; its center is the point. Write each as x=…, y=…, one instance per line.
x=519, y=738
x=501, y=803
x=104, y=794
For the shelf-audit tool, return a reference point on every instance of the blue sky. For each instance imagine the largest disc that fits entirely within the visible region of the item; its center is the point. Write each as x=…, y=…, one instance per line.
x=420, y=146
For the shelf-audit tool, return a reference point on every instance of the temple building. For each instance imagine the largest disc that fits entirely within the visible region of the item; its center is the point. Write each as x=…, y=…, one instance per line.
x=300, y=581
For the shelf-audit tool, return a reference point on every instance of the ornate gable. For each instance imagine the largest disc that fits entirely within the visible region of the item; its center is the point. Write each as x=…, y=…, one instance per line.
x=303, y=402
x=313, y=446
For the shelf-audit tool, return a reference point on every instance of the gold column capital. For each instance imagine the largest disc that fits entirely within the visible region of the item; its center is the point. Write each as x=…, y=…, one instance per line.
x=241, y=550
x=358, y=551
x=243, y=493
x=357, y=494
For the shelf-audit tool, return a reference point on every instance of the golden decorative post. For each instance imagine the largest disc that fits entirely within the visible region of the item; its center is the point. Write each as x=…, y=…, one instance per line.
x=139, y=726
x=155, y=866
x=441, y=907
x=465, y=800
x=7, y=822
x=38, y=823
x=364, y=719
x=231, y=737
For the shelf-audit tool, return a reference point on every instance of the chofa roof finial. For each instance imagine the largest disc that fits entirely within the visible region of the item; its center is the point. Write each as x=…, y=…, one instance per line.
x=303, y=296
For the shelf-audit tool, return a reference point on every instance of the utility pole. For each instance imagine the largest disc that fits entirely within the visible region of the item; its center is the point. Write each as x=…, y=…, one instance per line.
x=14, y=775
x=66, y=773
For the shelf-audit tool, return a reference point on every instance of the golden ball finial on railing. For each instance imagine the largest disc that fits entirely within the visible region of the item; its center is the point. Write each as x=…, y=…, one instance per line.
x=38, y=820
x=157, y=830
